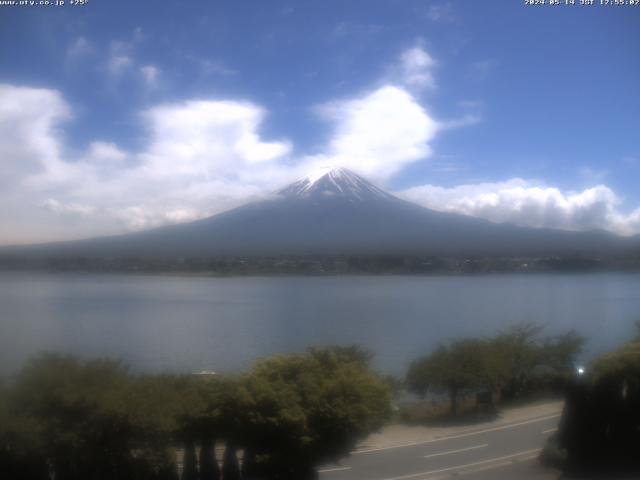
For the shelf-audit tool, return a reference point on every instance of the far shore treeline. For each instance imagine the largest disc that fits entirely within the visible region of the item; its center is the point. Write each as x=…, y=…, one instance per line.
x=399, y=264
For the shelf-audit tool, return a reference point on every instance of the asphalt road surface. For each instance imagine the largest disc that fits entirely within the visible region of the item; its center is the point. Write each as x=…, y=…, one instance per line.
x=498, y=452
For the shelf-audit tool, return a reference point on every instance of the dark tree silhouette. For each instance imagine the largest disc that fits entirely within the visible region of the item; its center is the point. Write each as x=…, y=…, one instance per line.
x=600, y=426
x=230, y=466
x=209, y=469
x=94, y=420
x=189, y=461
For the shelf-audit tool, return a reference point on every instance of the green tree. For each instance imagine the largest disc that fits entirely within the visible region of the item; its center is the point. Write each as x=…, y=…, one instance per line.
x=307, y=409
x=94, y=420
x=560, y=352
x=622, y=363
x=463, y=365
x=527, y=353
x=520, y=349
x=91, y=420
x=196, y=405
x=218, y=416
x=352, y=354
x=21, y=450
x=82, y=414
x=418, y=376
x=600, y=425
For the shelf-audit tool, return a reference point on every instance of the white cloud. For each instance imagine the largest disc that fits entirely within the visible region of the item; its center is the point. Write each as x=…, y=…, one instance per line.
x=141, y=217
x=413, y=70
x=78, y=48
x=377, y=134
x=207, y=138
x=204, y=156
x=55, y=206
x=200, y=157
x=118, y=64
x=122, y=62
x=105, y=152
x=120, y=58
x=29, y=135
x=150, y=74
x=416, y=68
x=530, y=204
x=442, y=12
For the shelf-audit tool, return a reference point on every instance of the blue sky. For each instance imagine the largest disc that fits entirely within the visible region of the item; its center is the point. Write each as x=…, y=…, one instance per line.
x=119, y=115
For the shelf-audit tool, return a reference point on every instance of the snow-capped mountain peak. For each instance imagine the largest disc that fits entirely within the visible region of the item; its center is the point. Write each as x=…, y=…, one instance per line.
x=334, y=182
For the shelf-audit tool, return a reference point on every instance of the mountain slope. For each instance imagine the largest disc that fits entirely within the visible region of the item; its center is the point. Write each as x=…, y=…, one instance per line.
x=338, y=212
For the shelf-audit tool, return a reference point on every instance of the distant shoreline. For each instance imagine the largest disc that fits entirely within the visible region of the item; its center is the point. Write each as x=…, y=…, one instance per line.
x=322, y=265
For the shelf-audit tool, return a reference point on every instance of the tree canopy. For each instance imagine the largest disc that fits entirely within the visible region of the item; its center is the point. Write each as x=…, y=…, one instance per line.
x=460, y=366
x=312, y=407
x=600, y=425
x=506, y=363
x=95, y=420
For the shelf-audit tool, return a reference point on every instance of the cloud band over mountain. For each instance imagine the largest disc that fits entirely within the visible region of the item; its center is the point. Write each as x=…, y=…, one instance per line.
x=198, y=157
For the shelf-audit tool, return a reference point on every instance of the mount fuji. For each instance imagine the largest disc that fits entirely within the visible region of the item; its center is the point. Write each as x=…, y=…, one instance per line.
x=336, y=212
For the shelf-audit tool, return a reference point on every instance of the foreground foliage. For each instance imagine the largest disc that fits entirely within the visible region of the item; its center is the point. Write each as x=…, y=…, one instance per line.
x=515, y=363
x=69, y=419
x=600, y=427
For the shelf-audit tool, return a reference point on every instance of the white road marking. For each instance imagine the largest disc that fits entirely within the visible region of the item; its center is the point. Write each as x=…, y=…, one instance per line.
x=466, y=465
x=461, y=435
x=483, y=468
x=549, y=430
x=336, y=469
x=475, y=447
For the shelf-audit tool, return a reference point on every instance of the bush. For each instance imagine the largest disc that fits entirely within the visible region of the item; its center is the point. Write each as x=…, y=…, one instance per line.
x=94, y=420
x=515, y=364
x=600, y=427
x=311, y=408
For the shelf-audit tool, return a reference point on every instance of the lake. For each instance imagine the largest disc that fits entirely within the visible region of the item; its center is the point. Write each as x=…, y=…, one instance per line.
x=224, y=324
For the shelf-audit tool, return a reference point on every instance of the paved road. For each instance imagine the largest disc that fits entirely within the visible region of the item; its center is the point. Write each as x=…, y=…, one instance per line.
x=495, y=452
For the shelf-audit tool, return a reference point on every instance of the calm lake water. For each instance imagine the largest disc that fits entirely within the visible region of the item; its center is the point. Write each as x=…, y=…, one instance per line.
x=224, y=324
